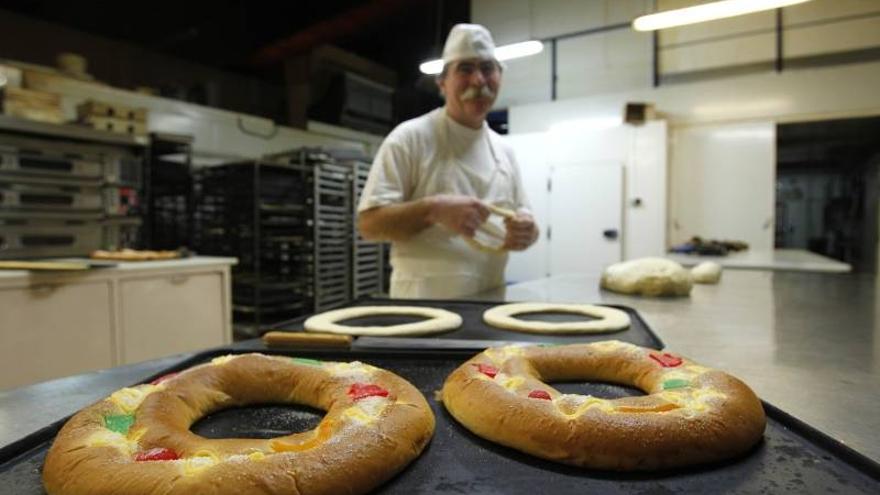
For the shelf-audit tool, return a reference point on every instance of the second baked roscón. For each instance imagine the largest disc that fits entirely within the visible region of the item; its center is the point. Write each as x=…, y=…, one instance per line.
x=691, y=415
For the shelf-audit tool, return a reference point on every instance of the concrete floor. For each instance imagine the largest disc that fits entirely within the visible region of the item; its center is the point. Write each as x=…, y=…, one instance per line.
x=808, y=343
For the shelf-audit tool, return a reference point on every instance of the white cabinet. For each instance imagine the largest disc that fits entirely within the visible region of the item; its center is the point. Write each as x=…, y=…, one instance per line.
x=58, y=324
x=43, y=337
x=171, y=314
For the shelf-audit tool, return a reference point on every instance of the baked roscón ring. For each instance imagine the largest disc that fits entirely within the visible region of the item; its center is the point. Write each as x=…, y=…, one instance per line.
x=439, y=320
x=138, y=440
x=609, y=319
x=691, y=415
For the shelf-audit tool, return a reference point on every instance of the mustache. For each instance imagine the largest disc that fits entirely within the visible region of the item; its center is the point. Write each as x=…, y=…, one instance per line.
x=477, y=92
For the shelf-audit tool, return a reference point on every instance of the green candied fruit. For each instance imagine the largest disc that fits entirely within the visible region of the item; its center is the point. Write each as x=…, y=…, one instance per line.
x=549, y=345
x=307, y=362
x=675, y=383
x=119, y=423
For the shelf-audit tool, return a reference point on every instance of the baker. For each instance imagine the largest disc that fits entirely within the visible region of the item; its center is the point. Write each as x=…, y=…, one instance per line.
x=438, y=178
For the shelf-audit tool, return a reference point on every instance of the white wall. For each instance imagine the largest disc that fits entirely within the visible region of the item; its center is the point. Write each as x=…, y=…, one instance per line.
x=603, y=62
x=722, y=183
x=621, y=59
x=599, y=74
x=818, y=27
x=795, y=95
x=532, y=158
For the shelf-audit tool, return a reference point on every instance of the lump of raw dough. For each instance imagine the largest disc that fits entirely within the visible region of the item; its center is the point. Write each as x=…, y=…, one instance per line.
x=647, y=277
x=707, y=272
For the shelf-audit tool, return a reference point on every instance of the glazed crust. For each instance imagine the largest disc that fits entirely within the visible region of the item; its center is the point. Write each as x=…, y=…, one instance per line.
x=691, y=415
x=359, y=444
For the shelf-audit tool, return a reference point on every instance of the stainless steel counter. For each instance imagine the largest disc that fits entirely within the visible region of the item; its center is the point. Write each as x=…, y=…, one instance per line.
x=808, y=343
x=25, y=410
x=799, y=260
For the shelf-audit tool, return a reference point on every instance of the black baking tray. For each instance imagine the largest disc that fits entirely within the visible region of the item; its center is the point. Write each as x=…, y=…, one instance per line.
x=473, y=328
x=792, y=457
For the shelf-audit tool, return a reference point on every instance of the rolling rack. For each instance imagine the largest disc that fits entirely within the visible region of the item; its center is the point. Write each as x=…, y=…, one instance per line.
x=332, y=220
x=288, y=218
x=260, y=213
x=168, y=192
x=368, y=258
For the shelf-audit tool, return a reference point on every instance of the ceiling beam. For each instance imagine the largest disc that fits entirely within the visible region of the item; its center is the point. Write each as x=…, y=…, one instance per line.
x=324, y=32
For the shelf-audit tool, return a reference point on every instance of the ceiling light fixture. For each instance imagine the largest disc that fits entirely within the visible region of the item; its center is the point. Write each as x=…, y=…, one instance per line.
x=707, y=12
x=506, y=52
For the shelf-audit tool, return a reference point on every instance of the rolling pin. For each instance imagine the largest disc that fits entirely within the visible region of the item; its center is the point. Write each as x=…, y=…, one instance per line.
x=277, y=338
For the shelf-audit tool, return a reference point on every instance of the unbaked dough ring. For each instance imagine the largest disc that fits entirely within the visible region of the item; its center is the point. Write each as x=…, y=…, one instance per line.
x=491, y=236
x=439, y=320
x=610, y=319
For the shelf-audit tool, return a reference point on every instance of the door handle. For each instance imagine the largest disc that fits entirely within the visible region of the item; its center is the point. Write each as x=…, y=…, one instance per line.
x=610, y=234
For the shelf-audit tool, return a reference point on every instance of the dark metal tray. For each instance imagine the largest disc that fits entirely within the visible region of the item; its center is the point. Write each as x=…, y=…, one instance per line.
x=792, y=458
x=473, y=328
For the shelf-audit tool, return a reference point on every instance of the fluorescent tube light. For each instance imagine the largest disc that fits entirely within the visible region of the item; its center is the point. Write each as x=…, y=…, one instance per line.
x=707, y=12
x=506, y=52
x=517, y=50
x=432, y=67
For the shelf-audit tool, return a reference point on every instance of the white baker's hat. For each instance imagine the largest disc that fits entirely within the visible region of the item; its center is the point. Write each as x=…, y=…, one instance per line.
x=468, y=41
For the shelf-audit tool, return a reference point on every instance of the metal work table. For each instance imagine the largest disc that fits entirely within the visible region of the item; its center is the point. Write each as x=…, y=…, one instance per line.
x=798, y=260
x=806, y=342
x=111, y=267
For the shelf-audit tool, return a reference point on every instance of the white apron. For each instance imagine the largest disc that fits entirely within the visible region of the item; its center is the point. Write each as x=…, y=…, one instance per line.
x=438, y=263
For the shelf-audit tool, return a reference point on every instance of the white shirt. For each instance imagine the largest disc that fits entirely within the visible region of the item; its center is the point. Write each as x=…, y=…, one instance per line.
x=431, y=155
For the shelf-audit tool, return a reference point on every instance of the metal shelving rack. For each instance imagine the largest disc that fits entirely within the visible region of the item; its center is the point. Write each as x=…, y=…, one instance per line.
x=260, y=213
x=288, y=218
x=331, y=217
x=168, y=198
x=368, y=258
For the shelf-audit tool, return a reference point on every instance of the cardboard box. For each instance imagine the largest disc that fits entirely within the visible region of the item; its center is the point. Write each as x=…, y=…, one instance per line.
x=31, y=97
x=33, y=105
x=93, y=108
x=119, y=126
x=11, y=75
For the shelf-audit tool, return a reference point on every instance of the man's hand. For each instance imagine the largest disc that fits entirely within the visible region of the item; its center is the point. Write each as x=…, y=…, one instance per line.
x=461, y=214
x=521, y=232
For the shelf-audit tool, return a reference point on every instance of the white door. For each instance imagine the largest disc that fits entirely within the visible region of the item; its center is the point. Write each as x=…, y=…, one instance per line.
x=531, y=156
x=585, y=217
x=723, y=183
x=645, y=192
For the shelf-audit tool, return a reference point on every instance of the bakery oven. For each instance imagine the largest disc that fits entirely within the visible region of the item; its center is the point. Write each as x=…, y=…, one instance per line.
x=60, y=198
